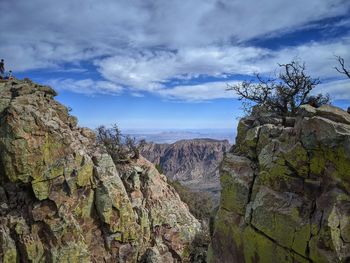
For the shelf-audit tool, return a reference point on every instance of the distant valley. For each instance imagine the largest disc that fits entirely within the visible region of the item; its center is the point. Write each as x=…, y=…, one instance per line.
x=194, y=163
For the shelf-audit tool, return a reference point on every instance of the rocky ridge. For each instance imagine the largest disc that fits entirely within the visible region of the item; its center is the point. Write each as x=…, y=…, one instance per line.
x=194, y=163
x=286, y=190
x=62, y=198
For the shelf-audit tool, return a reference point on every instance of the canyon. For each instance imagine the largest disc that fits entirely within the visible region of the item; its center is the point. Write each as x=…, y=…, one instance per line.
x=194, y=163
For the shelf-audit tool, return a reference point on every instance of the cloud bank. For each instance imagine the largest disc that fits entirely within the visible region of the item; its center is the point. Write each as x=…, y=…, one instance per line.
x=142, y=46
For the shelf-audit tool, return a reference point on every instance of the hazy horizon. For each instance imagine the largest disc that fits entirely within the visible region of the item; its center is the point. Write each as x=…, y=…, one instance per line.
x=174, y=135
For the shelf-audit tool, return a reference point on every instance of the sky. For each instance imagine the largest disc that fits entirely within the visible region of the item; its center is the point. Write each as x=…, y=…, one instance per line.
x=165, y=65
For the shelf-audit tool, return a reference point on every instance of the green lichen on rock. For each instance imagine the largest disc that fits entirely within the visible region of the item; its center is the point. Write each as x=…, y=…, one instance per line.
x=332, y=162
x=227, y=238
x=260, y=248
x=85, y=207
x=297, y=158
x=249, y=143
x=84, y=167
x=298, y=208
x=34, y=247
x=233, y=196
x=64, y=200
x=51, y=150
x=242, y=129
x=237, y=176
x=71, y=253
x=41, y=189
x=111, y=199
x=282, y=221
x=317, y=162
x=8, y=247
x=85, y=174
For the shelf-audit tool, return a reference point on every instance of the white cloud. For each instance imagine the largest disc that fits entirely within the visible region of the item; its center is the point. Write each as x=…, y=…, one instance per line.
x=142, y=44
x=319, y=57
x=339, y=89
x=86, y=86
x=200, y=92
x=148, y=70
x=41, y=33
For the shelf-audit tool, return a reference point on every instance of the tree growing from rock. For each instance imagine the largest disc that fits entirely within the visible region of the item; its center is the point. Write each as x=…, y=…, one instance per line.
x=283, y=94
x=342, y=69
x=121, y=148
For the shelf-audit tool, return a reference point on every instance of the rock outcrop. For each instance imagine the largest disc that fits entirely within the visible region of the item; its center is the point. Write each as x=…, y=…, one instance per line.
x=62, y=198
x=194, y=163
x=286, y=191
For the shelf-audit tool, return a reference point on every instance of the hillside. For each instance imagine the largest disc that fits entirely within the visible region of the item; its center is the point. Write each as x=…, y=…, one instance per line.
x=194, y=162
x=63, y=199
x=286, y=190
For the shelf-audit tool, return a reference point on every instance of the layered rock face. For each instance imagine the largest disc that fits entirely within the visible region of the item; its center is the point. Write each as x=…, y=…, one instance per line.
x=195, y=163
x=286, y=191
x=62, y=199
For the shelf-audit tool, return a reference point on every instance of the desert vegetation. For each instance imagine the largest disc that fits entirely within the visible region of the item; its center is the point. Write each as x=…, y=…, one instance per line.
x=159, y=168
x=122, y=148
x=282, y=94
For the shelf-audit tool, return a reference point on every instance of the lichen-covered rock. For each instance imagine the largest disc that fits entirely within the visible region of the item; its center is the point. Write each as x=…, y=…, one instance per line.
x=8, y=249
x=62, y=198
x=286, y=191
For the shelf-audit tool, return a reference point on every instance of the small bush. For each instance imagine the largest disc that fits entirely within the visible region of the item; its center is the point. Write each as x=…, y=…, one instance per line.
x=159, y=168
x=121, y=148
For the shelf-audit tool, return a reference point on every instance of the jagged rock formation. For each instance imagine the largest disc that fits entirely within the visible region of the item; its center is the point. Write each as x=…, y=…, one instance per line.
x=286, y=191
x=62, y=199
x=194, y=163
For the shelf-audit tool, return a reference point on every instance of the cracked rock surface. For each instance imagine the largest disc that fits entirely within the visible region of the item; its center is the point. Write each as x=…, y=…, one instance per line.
x=286, y=191
x=62, y=198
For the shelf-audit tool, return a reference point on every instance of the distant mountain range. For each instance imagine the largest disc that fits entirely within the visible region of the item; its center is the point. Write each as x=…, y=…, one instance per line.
x=171, y=136
x=193, y=163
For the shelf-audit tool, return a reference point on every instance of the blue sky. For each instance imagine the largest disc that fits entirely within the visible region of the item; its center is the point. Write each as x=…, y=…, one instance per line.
x=165, y=64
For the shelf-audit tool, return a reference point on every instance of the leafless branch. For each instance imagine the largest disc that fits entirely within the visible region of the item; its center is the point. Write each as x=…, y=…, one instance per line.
x=343, y=70
x=283, y=94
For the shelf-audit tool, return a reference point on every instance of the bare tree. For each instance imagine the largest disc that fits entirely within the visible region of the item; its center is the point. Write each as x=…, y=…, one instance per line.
x=343, y=70
x=121, y=148
x=112, y=141
x=134, y=147
x=283, y=94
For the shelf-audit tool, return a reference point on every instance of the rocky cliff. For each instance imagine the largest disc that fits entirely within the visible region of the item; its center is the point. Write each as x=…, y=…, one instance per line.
x=62, y=199
x=194, y=162
x=286, y=190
